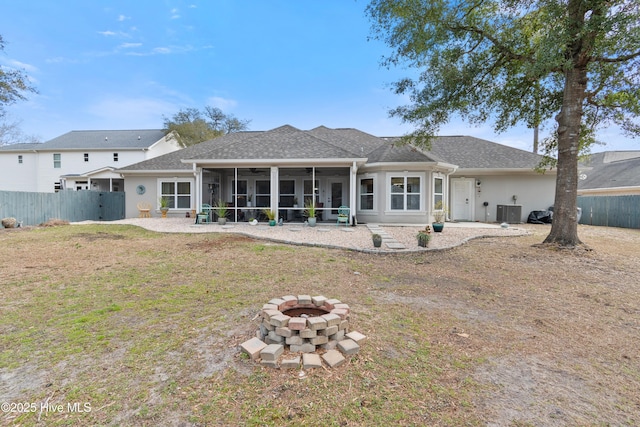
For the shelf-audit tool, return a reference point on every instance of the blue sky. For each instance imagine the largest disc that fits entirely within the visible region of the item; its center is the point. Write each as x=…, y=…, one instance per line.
x=124, y=64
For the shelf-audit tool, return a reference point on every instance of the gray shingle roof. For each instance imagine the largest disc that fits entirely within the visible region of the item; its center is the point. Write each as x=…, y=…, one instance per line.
x=104, y=139
x=474, y=153
x=353, y=140
x=287, y=142
x=21, y=147
x=391, y=153
x=611, y=169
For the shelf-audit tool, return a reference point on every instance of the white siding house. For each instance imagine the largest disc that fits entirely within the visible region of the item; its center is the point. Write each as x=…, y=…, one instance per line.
x=379, y=180
x=79, y=160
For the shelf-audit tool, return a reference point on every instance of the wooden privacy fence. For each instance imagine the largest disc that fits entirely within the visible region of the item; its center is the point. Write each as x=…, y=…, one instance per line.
x=610, y=211
x=36, y=208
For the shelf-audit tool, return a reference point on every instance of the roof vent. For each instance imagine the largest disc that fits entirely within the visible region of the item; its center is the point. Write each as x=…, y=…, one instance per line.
x=106, y=138
x=138, y=137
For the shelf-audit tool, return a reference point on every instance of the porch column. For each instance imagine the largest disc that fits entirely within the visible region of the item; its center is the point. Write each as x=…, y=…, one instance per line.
x=197, y=191
x=353, y=192
x=275, y=189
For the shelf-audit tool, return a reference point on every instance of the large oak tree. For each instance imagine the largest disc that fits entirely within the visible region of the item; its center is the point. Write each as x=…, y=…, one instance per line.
x=519, y=61
x=192, y=126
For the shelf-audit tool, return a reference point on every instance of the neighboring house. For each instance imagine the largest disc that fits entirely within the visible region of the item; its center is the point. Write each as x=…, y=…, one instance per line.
x=611, y=173
x=79, y=160
x=379, y=180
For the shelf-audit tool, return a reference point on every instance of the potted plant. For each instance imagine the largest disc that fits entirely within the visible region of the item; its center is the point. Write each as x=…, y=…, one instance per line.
x=439, y=216
x=295, y=202
x=249, y=197
x=424, y=236
x=377, y=240
x=222, y=209
x=271, y=215
x=164, y=206
x=311, y=213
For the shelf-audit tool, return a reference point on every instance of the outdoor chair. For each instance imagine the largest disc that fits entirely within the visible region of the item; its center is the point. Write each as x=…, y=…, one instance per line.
x=144, y=209
x=343, y=215
x=204, y=214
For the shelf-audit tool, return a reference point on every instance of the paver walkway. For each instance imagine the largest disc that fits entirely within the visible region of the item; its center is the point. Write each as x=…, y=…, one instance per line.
x=387, y=239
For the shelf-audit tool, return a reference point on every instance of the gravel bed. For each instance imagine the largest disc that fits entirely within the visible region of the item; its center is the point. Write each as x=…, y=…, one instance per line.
x=329, y=235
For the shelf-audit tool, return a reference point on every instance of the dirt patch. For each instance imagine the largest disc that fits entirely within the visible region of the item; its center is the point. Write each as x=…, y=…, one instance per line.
x=496, y=332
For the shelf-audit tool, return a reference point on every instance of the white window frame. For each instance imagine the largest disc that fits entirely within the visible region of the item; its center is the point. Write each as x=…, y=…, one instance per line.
x=262, y=200
x=372, y=194
x=405, y=194
x=437, y=197
x=241, y=197
x=173, y=198
x=57, y=160
x=20, y=159
x=291, y=196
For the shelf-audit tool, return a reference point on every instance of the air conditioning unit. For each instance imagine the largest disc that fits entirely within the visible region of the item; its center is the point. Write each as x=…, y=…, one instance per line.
x=511, y=214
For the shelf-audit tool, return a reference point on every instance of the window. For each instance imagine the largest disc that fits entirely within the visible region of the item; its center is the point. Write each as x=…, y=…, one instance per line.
x=20, y=158
x=263, y=193
x=287, y=192
x=438, y=193
x=242, y=192
x=310, y=190
x=57, y=186
x=366, y=194
x=57, y=161
x=115, y=157
x=86, y=157
x=405, y=193
x=177, y=192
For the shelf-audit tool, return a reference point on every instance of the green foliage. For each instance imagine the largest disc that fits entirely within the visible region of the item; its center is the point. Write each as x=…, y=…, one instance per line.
x=14, y=84
x=192, y=126
x=519, y=62
x=502, y=61
x=439, y=213
x=310, y=208
x=222, y=208
x=270, y=214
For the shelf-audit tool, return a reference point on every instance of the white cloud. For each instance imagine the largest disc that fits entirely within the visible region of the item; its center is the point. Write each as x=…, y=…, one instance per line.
x=109, y=33
x=129, y=45
x=175, y=14
x=13, y=63
x=162, y=50
x=123, y=113
x=123, y=18
x=222, y=103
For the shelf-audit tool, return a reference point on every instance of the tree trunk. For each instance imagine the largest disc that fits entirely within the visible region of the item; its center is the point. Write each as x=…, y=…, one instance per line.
x=564, y=229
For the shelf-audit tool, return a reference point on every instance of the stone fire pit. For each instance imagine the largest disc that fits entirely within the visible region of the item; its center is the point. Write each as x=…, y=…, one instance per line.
x=316, y=327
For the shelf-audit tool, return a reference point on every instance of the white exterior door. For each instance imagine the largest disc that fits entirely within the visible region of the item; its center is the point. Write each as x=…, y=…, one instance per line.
x=337, y=197
x=462, y=192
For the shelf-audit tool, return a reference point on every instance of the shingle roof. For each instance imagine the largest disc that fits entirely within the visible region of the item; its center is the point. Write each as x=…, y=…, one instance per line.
x=287, y=142
x=353, y=140
x=468, y=152
x=391, y=153
x=173, y=160
x=27, y=146
x=104, y=139
x=611, y=169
